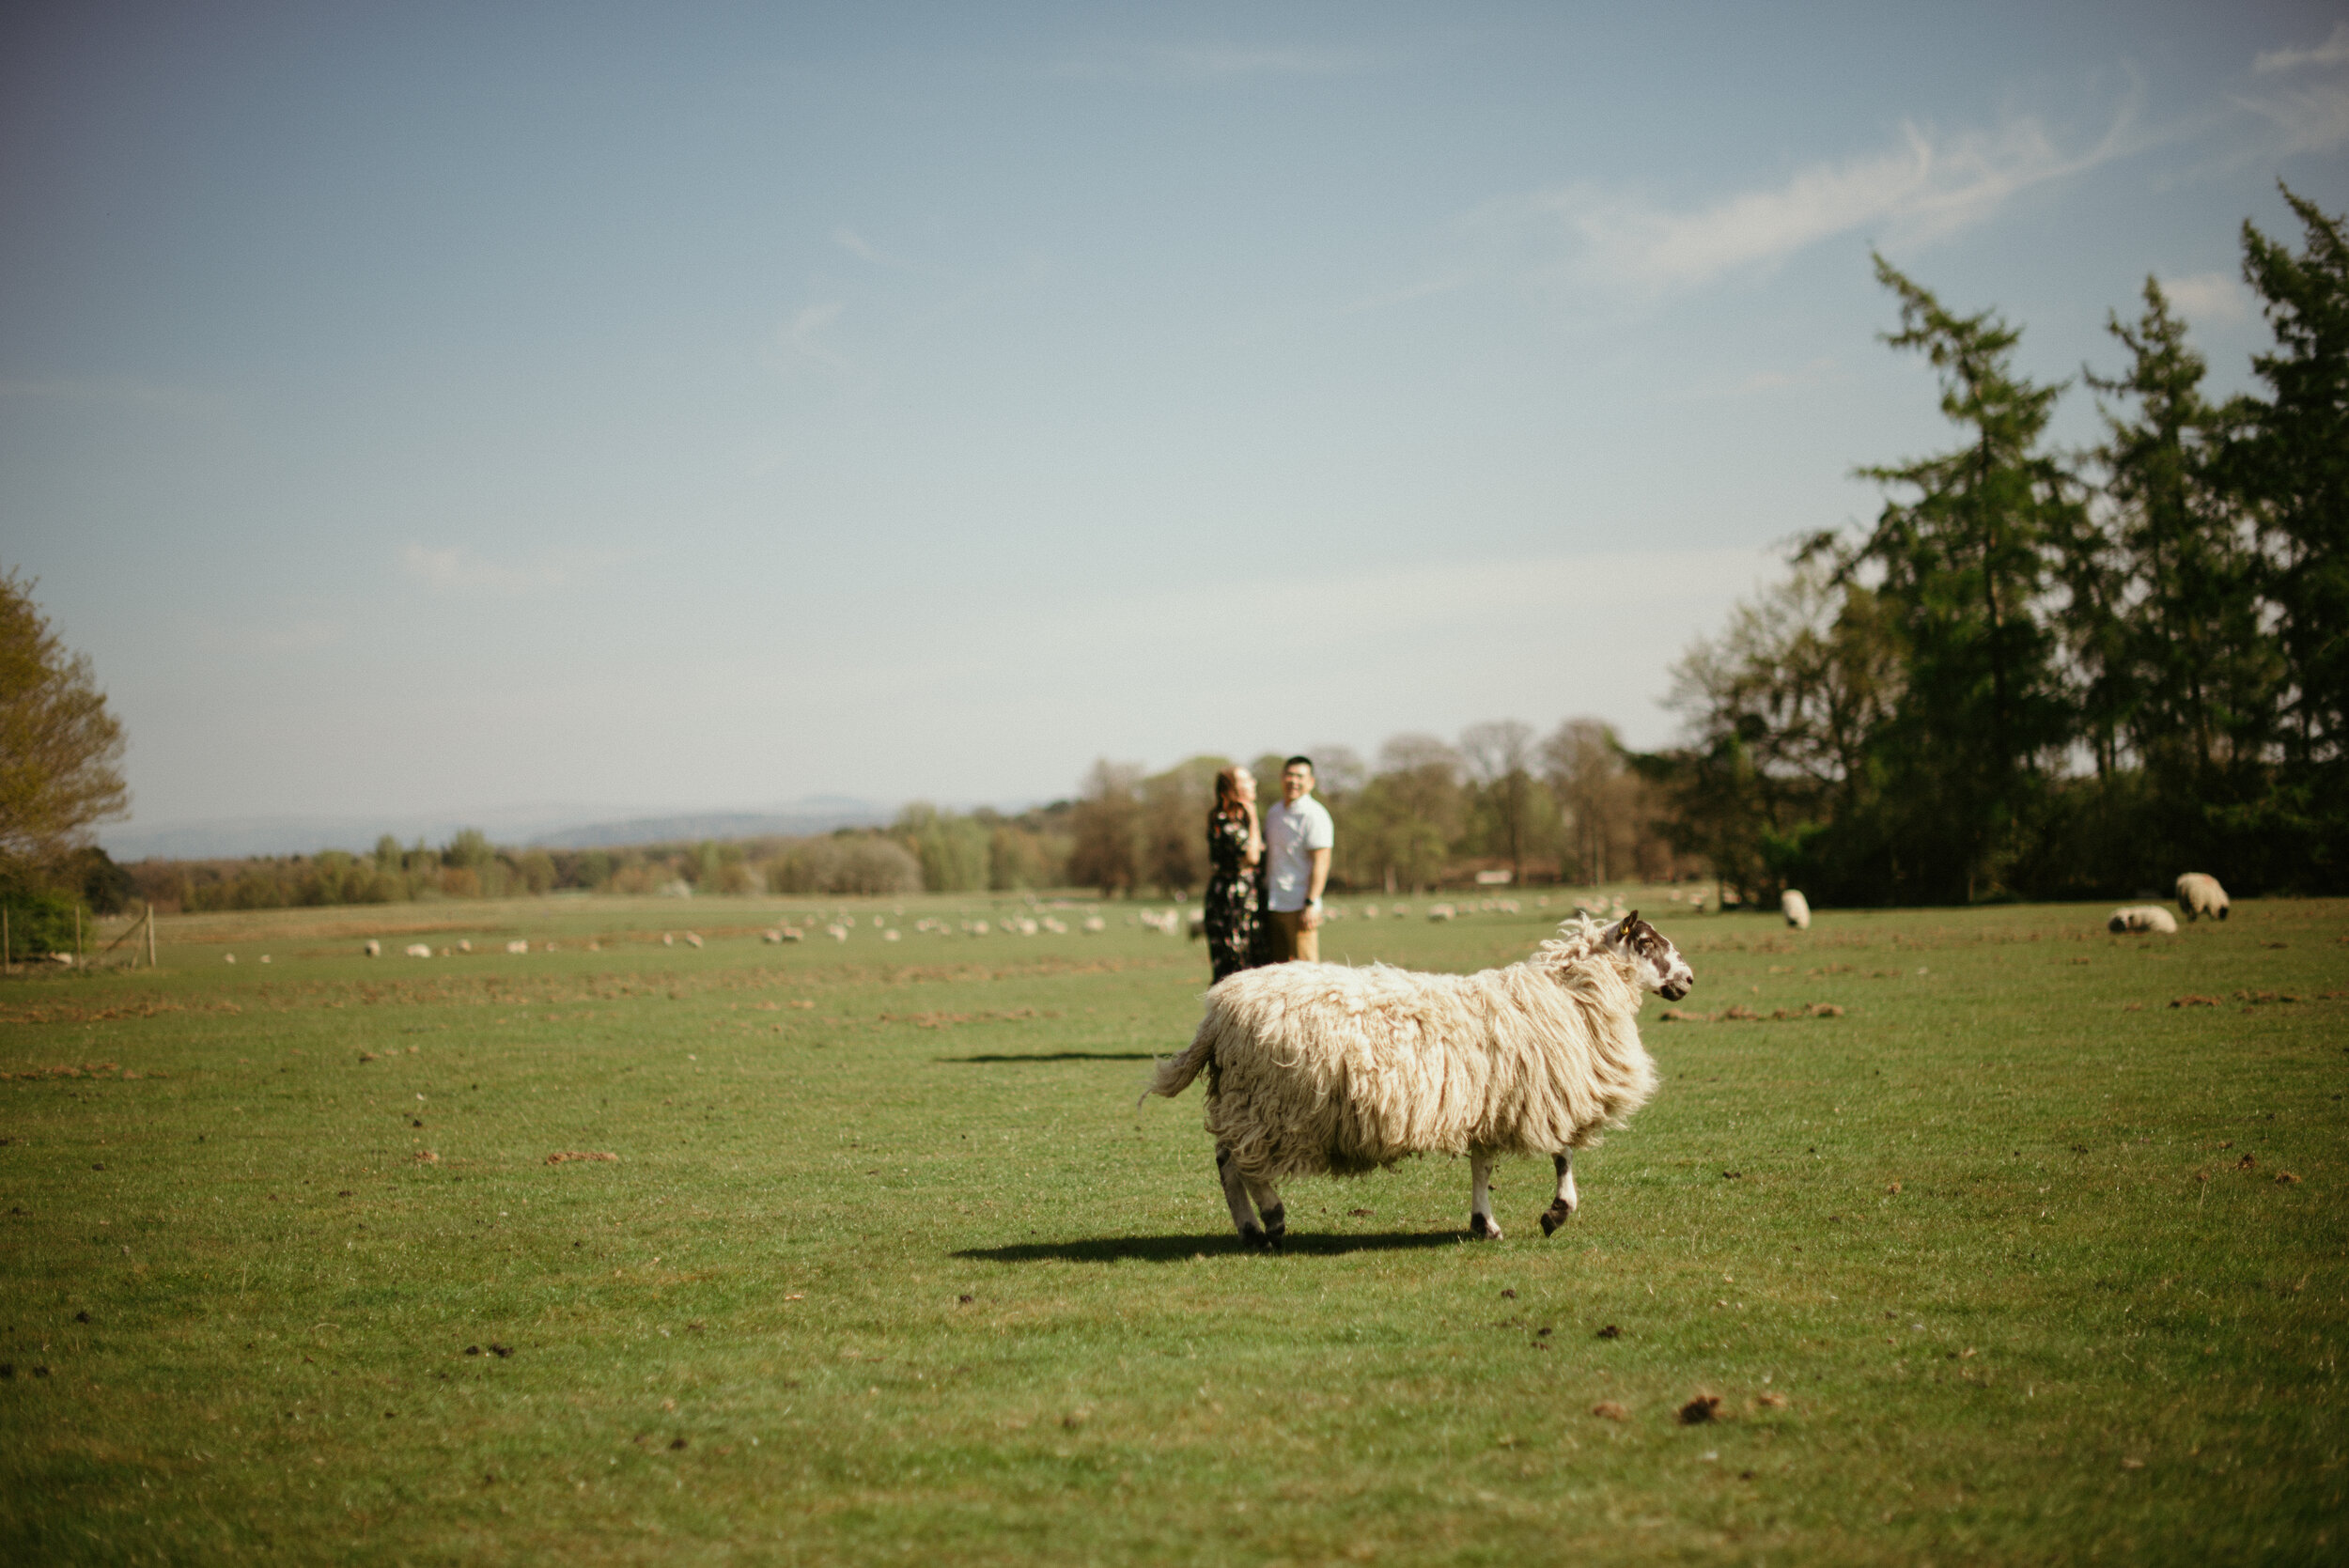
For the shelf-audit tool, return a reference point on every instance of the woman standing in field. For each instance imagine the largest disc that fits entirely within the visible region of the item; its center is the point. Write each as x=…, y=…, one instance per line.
x=1235, y=855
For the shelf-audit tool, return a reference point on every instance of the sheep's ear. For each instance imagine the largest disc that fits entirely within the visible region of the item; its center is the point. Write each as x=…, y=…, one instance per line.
x=1631, y=920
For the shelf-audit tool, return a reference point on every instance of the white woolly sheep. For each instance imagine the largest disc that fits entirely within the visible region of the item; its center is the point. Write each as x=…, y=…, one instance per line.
x=374, y=949
x=519, y=945
x=838, y=933
x=1094, y=923
x=419, y=950
x=2142, y=917
x=691, y=939
x=1441, y=912
x=1322, y=1068
x=229, y=958
x=1796, y=908
x=2199, y=895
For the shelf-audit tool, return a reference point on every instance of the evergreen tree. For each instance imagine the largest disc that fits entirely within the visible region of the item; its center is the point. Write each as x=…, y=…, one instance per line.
x=2291, y=462
x=2178, y=656
x=1966, y=567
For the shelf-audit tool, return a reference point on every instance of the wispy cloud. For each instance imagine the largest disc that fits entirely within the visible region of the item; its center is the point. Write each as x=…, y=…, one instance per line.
x=1210, y=62
x=1755, y=384
x=119, y=391
x=1385, y=298
x=306, y=634
x=2334, y=51
x=1924, y=187
x=803, y=334
x=2302, y=115
x=2208, y=296
x=865, y=250
x=457, y=569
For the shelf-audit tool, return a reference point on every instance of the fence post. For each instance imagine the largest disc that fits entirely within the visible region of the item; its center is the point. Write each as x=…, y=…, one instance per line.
x=7, y=953
x=151, y=933
x=77, y=933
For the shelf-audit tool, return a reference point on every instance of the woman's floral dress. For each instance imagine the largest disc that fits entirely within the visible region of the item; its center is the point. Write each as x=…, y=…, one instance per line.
x=1232, y=896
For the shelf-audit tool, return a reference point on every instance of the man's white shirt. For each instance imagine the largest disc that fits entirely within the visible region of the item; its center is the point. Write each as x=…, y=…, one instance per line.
x=1291, y=834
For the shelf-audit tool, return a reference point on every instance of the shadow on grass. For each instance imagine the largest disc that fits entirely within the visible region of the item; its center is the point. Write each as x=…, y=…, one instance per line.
x=1179, y=1248
x=1061, y=1056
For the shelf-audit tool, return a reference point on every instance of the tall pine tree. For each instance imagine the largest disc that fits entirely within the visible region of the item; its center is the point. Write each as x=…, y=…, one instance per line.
x=2180, y=659
x=1966, y=560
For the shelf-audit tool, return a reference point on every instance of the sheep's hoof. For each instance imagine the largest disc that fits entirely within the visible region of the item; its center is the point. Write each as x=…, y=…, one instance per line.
x=1483, y=1228
x=1252, y=1235
x=1555, y=1216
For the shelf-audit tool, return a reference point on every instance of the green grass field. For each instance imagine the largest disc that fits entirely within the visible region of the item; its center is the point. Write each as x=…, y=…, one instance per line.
x=2012, y=1261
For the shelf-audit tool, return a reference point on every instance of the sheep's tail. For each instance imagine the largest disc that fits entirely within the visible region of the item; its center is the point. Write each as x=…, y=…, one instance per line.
x=1176, y=1073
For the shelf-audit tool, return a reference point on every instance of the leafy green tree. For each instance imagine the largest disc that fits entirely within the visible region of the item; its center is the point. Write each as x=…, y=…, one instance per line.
x=1106, y=827
x=1499, y=758
x=1780, y=781
x=60, y=748
x=1964, y=562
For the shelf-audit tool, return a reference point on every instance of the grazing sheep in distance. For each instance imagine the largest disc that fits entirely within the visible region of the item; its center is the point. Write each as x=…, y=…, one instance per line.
x=2142, y=917
x=1322, y=1068
x=691, y=939
x=374, y=949
x=2199, y=895
x=1796, y=908
x=1441, y=912
x=837, y=933
x=1094, y=923
x=518, y=946
x=419, y=950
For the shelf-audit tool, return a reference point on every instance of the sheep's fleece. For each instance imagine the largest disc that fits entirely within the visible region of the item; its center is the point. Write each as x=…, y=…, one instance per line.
x=1321, y=1067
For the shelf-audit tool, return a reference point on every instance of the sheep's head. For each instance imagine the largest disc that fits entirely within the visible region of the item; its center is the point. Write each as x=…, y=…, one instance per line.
x=1661, y=967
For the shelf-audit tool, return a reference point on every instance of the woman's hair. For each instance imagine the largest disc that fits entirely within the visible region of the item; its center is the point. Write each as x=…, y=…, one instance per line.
x=1226, y=794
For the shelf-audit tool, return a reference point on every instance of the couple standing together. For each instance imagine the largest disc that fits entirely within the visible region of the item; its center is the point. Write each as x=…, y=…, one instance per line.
x=1263, y=893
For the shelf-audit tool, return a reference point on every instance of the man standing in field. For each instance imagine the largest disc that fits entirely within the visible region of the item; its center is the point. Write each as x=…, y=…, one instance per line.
x=1297, y=836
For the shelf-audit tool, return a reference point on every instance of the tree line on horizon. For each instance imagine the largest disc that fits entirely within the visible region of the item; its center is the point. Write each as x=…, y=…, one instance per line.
x=2047, y=674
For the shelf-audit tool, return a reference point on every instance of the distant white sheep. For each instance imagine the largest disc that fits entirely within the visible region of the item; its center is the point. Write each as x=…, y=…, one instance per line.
x=2199, y=895
x=1324, y=1069
x=1094, y=923
x=2143, y=919
x=691, y=939
x=419, y=950
x=1441, y=912
x=1058, y=928
x=837, y=933
x=1796, y=908
x=374, y=948
x=521, y=944
x=889, y=934
x=464, y=947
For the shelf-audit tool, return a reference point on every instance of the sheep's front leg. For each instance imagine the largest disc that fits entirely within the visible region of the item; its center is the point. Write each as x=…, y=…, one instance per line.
x=1560, y=1208
x=1481, y=1197
x=1236, y=1195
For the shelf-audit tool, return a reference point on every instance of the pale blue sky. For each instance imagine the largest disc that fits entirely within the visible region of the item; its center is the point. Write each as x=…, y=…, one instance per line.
x=438, y=409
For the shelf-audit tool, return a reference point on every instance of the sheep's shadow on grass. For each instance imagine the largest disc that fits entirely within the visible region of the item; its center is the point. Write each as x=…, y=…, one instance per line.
x=1181, y=1249
x=1056, y=1056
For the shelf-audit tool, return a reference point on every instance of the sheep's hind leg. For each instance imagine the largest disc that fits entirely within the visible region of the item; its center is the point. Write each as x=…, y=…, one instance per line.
x=1236, y=1195
x=1481, y=1222
x=1561, y=1208
x=1276, y=1218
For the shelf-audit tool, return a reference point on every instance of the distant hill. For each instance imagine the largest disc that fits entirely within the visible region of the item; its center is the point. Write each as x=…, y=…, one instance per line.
x=717, y=825
x=554, y=826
